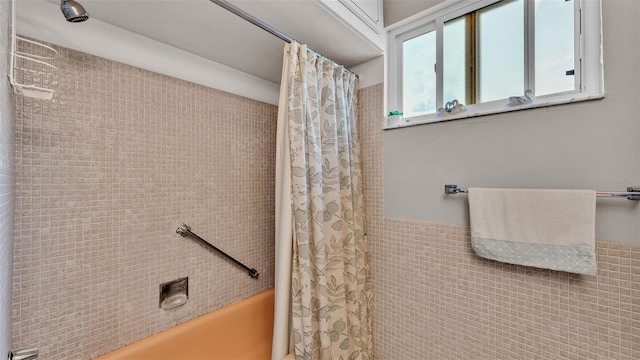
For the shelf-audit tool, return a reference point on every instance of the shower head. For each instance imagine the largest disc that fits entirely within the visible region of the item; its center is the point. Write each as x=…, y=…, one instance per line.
x=73, y=11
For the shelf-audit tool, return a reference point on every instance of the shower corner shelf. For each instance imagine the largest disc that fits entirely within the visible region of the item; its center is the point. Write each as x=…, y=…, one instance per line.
x=29, y=62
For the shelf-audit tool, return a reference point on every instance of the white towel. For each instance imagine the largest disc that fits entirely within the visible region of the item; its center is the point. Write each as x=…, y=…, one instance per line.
x=549, y=229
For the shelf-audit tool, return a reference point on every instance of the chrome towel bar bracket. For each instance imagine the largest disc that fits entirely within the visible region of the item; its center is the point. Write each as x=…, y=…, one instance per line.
x=633, y=193
x=453, y=189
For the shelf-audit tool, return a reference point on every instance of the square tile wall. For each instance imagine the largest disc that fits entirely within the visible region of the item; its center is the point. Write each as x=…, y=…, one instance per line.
x=7, y=182
x=106, y=172
x=435, y=299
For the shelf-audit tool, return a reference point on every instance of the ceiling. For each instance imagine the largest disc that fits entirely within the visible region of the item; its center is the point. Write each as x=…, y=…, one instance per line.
x=203, y=28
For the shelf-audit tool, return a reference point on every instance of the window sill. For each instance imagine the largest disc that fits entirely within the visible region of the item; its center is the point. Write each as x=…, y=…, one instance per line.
x=470, y=113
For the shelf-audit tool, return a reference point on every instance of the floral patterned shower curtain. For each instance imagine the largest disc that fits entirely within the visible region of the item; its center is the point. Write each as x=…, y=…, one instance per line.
x=331, y=289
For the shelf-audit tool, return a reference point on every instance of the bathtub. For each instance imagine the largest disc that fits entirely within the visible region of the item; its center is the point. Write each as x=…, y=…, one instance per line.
x=240, y=331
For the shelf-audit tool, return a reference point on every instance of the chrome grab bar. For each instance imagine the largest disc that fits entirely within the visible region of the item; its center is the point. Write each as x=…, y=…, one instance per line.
x=185, y=230
x=24, y=354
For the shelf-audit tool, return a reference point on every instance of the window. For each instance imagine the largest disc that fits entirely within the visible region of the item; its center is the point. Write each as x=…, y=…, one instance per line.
x=485, y=53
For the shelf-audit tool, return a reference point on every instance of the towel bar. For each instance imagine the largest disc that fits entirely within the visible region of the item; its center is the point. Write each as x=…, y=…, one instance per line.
x=633, y=193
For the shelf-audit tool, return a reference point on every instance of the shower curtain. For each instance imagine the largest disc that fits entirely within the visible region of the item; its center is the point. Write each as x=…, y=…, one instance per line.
x=323, y=288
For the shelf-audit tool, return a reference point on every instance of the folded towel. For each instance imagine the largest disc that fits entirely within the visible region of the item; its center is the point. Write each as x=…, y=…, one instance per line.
x=549, y=229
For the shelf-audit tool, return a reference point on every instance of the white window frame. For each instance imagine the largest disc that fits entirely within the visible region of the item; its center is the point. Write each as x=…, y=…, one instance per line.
x=588, y=70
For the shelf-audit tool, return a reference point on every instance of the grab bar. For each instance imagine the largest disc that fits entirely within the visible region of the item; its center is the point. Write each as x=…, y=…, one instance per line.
x=185, y=230
x=633, y=193
x=24, y=354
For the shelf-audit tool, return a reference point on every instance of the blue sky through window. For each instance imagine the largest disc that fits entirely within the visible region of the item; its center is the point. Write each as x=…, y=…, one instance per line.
x=419, y=77
x=554, y=46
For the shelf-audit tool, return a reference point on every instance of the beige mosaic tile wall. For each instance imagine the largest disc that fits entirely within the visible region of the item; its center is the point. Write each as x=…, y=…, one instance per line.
x=435, y=299
x=7, y=182
x=106, y=172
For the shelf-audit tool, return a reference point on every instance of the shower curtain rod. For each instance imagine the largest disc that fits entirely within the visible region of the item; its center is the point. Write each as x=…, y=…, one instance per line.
x=250, y=18
x=257, y=22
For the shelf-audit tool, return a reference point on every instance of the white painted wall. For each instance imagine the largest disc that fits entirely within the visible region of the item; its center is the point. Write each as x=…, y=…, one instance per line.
x=396, y=10
x=370, y=72
x=43, y=20
x=593, y=145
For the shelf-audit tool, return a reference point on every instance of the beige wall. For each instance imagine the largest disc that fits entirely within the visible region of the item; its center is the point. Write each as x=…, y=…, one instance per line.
x=106, y=173
x=7, y=182
x=435, y=299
